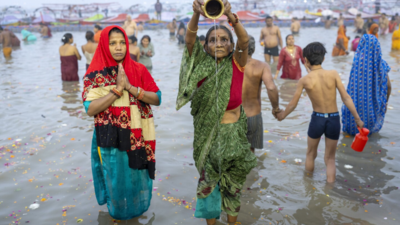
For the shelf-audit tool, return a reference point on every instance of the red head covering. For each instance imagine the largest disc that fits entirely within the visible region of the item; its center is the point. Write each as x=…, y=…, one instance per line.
x=128, y=123
x=137, y=73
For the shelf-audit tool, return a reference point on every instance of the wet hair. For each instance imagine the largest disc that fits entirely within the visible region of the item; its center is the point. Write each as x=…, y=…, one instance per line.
x=393, y=18
x=383, y=14
x=65, y=39
x=133, y=39
x=357, y=37
x=182, y=25
x=145, y=36
x=252, y=46
x=202, y=38
x=288, y=37
x=173, y=20
x=315, y=53
x=295, y=18
x=89, y=36
x=218, y=27
x=98, y=27
x=328, y=17
x=116, y=30
x=268, y=17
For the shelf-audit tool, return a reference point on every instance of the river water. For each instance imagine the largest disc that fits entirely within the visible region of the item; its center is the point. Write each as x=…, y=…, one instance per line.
x=46, y=135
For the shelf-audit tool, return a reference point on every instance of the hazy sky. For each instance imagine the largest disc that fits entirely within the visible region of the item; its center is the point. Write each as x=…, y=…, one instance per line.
x=124, y=3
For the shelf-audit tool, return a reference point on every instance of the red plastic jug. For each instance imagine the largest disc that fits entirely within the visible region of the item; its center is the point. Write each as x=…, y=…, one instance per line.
x=360, y=140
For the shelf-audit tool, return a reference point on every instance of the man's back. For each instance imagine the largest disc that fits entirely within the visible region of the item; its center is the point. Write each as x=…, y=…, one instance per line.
x=253, y=75
x=5, y=37
x=321, y=89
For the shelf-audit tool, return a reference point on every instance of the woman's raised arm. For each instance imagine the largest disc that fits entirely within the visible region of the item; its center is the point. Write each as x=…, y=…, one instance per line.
x=192, y=27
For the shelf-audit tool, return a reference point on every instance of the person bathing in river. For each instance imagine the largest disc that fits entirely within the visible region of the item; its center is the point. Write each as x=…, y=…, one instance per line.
x=270, y=38
x=369, y=86
x=89, y=48
x=130, y=27
x=295, y=26
x=359, y=23
x=255, y=74
x=146, y=52
x=354, y=43
x=221, y=150
x=172, y=27
x=342, y=43
x=45, y=31
x=290, y=58
x=97, y=32
x=69, y=56
x=5, y=40
x=134, y=50
x=118, y=93
x=181, y=33
x=321, y=86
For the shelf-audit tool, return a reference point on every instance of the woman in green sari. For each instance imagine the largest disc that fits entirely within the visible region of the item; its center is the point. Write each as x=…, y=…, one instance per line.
x=211, y=77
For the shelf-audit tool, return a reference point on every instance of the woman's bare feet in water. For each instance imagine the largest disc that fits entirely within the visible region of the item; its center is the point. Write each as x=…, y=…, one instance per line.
x=232, y=220
x=211, y=221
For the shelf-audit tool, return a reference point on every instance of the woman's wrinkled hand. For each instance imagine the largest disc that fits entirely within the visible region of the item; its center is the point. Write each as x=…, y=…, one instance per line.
x=197, y=7
x=228, y=8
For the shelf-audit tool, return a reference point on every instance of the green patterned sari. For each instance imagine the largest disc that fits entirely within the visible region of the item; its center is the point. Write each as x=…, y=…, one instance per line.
x=221, y=151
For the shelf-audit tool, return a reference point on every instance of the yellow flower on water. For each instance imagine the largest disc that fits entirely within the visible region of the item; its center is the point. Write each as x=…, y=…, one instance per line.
x=270, y=141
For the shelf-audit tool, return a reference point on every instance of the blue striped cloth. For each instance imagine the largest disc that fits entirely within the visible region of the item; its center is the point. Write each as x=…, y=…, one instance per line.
x=367, y=87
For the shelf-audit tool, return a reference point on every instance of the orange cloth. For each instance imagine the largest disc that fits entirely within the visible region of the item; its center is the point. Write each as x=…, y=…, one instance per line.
x=7, y=51
x=341, y=35
x=97, y=36
x=372, y=28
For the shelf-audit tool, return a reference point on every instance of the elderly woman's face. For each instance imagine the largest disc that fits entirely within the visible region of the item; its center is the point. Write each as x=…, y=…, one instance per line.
x=117, y=45
x=219, y=44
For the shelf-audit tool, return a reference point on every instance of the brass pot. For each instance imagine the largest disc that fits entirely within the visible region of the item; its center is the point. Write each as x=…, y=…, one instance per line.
x=213, y=9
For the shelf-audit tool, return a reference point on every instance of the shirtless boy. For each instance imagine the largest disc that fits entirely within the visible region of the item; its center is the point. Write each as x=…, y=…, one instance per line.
x=5, y=40
x=270, y=38
x=44, y=31
x=295, y=27
x=321, y=86
x=255, y=73
x=172, y=28
x=359, y=24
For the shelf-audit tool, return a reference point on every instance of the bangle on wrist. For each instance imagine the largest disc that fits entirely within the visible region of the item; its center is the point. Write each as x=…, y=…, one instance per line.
x=141, y=95
x=194, y=32
x=138, y=92
x=233, y=24
x=116, y=92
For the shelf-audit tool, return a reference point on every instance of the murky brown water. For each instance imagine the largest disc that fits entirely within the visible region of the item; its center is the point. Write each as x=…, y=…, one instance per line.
x=45, y=149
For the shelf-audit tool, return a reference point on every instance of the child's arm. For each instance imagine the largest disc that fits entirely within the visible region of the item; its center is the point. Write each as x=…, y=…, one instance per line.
x=348, y=101
x=293, y=103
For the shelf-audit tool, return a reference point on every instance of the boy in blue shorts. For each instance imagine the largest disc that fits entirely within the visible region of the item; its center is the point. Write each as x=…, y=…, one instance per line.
x=321, y=86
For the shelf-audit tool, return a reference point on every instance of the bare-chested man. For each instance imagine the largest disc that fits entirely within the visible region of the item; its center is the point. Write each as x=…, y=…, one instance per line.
x=172, y=27
x=44, y=31
x=255, y=73
x=130, y=27
x=359, y=24
x=328, y=22
x=383, y=24
x=5, y=40
x=295, y=27
x=340, y=20
x=270, y=38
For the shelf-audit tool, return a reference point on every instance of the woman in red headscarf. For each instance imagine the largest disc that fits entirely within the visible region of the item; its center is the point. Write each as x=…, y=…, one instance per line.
x=118, y=92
